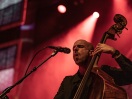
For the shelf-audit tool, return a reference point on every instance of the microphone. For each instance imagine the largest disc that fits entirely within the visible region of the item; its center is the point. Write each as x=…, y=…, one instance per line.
x=61, y=49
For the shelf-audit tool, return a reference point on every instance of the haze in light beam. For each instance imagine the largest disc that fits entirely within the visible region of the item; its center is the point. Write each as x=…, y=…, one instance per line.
x=120, y=6
x=83, y=30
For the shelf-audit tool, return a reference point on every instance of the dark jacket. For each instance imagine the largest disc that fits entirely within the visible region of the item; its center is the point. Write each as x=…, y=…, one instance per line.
x=121, y=77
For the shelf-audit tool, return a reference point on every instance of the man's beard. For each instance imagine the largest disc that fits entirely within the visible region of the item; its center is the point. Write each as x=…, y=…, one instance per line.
x=84, y=63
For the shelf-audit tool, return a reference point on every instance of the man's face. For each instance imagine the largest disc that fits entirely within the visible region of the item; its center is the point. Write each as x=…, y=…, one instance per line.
x=81, y=49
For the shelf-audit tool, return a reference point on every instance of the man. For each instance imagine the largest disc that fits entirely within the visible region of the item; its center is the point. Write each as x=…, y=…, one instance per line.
x=82, y=55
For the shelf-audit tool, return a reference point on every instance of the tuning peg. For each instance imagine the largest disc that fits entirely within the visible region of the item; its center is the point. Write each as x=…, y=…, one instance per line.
x=118, y=34
x=126, y=28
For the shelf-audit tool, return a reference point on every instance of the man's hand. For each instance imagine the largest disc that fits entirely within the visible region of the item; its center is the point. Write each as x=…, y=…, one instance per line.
x=103, y=48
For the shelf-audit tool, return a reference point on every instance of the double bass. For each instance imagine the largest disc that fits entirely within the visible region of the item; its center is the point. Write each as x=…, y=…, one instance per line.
x=103, y=86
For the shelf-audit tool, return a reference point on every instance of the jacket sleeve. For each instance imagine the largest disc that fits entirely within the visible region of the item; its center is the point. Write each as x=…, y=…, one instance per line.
x=121, y=76
x=125, y=64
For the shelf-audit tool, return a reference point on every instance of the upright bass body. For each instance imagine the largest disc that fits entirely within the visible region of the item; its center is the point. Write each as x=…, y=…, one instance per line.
x=104, y=87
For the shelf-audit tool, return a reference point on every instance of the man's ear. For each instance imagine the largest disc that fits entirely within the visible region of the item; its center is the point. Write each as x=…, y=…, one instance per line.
x=90, y=52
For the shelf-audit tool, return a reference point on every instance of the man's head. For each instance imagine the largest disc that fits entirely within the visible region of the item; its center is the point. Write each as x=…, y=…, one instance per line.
x=82, y=52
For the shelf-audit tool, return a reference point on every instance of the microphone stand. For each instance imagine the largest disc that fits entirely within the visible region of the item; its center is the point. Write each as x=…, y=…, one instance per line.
x=8, y=89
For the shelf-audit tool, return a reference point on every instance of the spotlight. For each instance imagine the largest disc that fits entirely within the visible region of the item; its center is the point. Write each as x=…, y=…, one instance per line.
x=95, y=14
x=61, y=8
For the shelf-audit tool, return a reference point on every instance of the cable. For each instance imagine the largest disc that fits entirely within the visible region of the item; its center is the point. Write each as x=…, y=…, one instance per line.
x=33, y=59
